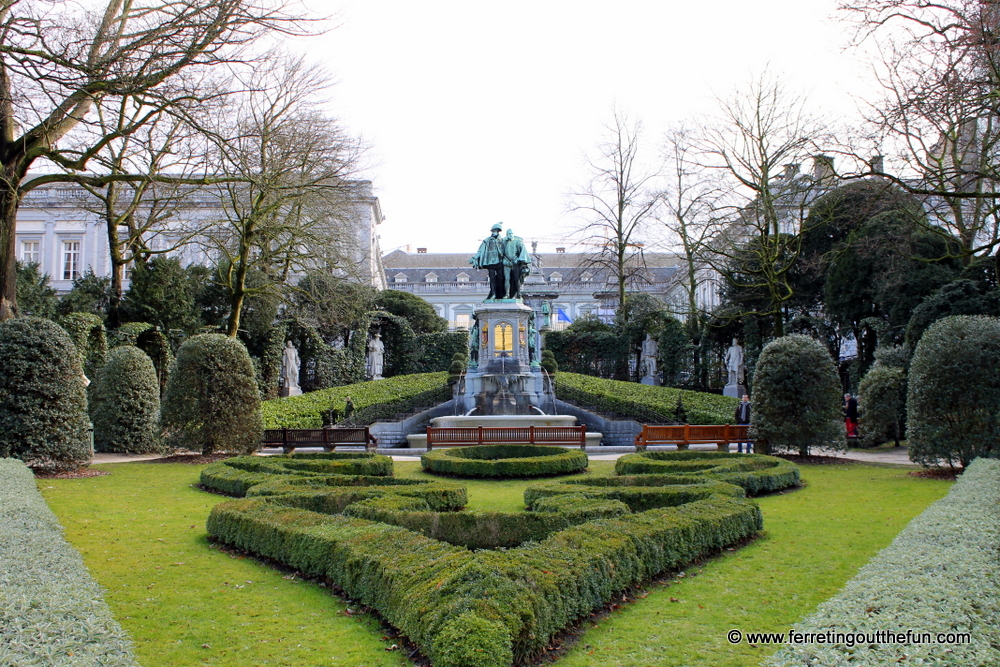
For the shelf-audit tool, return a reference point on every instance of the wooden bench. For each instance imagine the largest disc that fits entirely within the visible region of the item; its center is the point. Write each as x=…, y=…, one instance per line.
x=327, y=438
x=507, y=435
x=683, y=435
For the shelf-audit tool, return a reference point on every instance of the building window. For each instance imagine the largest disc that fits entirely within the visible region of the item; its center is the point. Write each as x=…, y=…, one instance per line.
x=462, y=277
x=587, y=277
x=431, y=278
x=555, y=277
x=462, y=321
x=31, y=252
x=399, y=278
x=71, y=260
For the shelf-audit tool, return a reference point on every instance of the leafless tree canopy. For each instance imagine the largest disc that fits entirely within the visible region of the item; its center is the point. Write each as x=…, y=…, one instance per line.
x=59, y=61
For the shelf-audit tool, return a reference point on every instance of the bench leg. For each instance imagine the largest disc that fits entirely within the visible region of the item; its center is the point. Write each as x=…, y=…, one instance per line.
x=682, y=446
x=722, y=446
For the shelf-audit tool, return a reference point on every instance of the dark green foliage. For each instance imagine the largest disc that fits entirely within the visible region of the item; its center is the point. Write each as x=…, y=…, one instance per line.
x=211, y=401
x=674, y=352
x=755, y=473
x=270, y=361
x=549, y=362
x=43, y=404
x=418, y=313
x=680, y=414
x=961, y=297
x=34, y=295
x=505, y=461
x=331, y=305
x=322, y=365
x=436, y=351
x=796, y=398
x=882, y=404
x=125, y=403
x=90, y=294
x=601, y=352
x=163, y=293
x=399, y=340
x=953, y=395
x=88, y=335
x=128, y=333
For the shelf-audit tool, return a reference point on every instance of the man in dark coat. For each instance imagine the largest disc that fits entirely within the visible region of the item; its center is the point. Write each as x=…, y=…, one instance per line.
x=742, y=417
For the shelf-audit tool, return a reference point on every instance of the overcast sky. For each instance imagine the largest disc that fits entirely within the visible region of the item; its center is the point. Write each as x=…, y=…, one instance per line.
x=480, y=112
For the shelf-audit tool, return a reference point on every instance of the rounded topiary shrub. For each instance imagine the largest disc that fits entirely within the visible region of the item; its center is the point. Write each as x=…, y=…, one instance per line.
x=882, y=403
x=505, y=461
x=953, y=394
x=43, y=404
x=125, y=403
x=211, y=401
x=86, y=330
x=796, y=398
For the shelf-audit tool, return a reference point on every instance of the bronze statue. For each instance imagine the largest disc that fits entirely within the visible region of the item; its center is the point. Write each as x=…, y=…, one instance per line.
x=517, y=264
x=490, y=256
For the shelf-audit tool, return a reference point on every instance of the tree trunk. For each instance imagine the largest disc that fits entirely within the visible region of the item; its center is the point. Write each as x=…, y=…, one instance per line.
x=9, y=199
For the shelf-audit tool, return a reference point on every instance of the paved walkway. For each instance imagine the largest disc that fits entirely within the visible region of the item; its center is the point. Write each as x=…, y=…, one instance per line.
x=896, y=455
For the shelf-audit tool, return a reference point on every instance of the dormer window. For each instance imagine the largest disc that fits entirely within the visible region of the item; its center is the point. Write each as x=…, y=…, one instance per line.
x=587, y=276
x=431, y=278
x=399, y=278
x=462, y=277
x=555, y=277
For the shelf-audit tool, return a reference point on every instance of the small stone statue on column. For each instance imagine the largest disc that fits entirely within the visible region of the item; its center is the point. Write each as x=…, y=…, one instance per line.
x=376, y=357
x=290, y=371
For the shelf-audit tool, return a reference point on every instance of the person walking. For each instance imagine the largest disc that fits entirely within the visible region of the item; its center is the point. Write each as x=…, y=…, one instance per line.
x=742, y=418
x=851, y=416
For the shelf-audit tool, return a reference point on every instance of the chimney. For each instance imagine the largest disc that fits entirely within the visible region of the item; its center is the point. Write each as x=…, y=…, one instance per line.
x=878, y=164
x=791, y=171
x=421, y=251
x=561, y=250
x=823, y=167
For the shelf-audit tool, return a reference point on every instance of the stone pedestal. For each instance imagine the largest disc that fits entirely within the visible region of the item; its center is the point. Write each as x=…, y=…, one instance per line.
x=734, y=390
x=290, y=391
x=651, y=380
x=503, y=380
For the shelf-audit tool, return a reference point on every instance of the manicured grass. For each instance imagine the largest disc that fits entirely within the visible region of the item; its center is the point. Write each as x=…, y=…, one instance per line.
x=141, y=531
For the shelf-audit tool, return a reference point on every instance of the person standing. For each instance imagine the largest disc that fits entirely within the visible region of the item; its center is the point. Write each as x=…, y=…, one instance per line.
x=490, y=256
x=742, y=418
x=851, y=416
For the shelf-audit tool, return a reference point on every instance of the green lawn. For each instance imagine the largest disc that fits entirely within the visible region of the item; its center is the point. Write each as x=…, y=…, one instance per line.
x=141, y=531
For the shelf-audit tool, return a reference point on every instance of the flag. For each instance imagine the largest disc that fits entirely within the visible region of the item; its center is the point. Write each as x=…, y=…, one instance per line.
x=563, y=317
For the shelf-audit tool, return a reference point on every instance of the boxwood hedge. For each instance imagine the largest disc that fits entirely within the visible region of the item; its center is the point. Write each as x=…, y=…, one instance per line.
x=236, y=475
x=938, y=576
x=52, y=612
x=656, y=405
x=582, y=544
x=505, y=461
x=755, y=473
x=378, y=399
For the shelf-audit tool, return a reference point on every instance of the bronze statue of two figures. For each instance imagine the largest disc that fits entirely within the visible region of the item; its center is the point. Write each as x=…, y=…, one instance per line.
x=506, y=260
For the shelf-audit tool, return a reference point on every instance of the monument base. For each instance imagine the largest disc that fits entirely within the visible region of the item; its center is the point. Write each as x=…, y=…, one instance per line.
x=651, y=381
x=735, y=390
x=290, y=391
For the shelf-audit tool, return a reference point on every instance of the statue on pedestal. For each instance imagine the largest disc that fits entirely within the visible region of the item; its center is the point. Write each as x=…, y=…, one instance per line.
x=290, y=370
x=647, y=361
x=490, y=256
x=736, y=364
x=376, y=357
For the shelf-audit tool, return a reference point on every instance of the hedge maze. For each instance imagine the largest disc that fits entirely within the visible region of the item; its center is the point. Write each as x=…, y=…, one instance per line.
x=441, y=577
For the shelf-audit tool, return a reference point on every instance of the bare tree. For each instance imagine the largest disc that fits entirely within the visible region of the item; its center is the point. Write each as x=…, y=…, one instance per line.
x=939, y=120
x=57, y=64
x=618, y=203
x=145, y=216
x=287, y=211
x=756, y=144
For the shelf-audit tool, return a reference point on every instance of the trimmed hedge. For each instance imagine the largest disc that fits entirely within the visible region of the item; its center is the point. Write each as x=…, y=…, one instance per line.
x=654, y=405
x=755, y=473
x=125, y=403
x=584, y=542
x=53, y=613
x=505, y=461
x=236, y=475
x=938, y=576
x=454, y=602
x=378, y=399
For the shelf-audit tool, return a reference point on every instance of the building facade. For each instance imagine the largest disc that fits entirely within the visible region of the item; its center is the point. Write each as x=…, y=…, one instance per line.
x=59, y=228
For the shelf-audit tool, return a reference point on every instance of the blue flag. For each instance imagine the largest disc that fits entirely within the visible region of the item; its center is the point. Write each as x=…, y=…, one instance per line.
x=563, y=317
